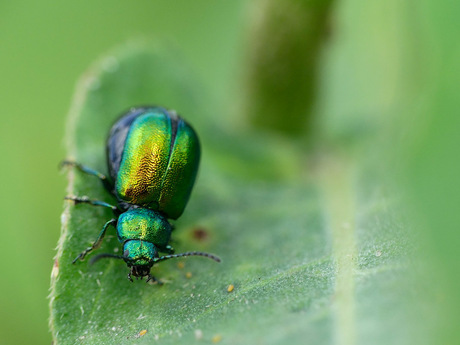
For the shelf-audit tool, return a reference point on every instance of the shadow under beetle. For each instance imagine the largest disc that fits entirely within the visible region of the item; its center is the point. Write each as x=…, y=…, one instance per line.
x=152, y=158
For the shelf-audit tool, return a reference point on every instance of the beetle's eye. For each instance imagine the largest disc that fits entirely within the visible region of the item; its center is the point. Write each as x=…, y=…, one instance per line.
x=126, y=253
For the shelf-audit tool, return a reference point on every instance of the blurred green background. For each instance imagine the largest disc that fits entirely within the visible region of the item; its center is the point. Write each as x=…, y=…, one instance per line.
x=45, y=47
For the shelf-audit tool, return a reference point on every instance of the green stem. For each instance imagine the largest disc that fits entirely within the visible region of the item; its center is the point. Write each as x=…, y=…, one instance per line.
x=284, y=49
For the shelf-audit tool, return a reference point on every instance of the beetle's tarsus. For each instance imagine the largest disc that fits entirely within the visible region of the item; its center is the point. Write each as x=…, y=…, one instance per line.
x=77, y=199
x=152, y=278
x=76, y=259
x=82, y=255
x=169, y=249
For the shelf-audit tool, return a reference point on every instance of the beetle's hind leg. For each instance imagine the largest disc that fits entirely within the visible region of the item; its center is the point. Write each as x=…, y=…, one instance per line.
x=83, y=168
x=86, y=200
x=98, y=242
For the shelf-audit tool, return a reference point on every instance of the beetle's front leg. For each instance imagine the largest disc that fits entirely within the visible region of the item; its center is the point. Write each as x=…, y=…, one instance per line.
x=150, y=277
x=98, y=242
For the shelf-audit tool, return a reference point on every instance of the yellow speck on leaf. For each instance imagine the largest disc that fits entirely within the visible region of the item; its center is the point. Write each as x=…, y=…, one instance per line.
x=216, y=338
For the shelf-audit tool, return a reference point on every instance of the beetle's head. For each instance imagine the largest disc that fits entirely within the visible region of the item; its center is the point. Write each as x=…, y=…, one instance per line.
x=139, y=256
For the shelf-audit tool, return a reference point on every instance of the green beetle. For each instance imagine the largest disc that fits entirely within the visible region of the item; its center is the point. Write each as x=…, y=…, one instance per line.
x=152, y=157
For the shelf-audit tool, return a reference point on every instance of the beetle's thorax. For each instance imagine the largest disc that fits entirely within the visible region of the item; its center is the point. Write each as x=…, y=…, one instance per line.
x=144, y=225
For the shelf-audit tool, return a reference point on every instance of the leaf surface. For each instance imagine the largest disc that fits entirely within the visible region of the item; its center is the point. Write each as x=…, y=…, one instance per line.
x=310, y=243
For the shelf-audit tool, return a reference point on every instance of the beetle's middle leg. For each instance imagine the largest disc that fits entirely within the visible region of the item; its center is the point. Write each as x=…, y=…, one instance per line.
x=98, y=242
x=86, y=200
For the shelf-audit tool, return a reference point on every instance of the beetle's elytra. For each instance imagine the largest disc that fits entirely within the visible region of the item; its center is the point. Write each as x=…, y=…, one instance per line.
x=152, y=157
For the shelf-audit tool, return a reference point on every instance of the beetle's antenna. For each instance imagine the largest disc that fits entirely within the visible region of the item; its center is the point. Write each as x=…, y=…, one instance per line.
x=172, y=256
x=104, y=255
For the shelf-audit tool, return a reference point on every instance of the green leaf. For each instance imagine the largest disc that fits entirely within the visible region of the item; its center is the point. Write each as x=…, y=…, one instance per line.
x=310, y=243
